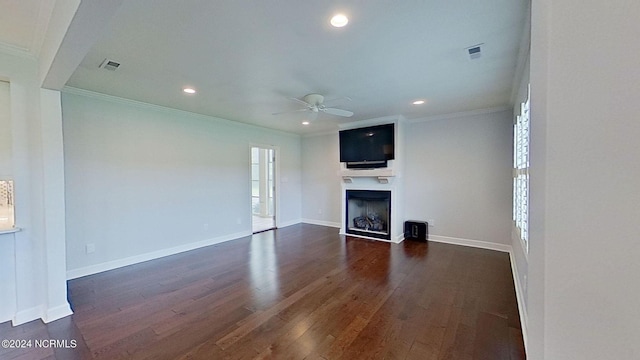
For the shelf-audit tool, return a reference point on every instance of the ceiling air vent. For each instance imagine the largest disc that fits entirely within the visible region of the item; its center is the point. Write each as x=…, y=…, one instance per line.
x=474, y=51
x=110, y=65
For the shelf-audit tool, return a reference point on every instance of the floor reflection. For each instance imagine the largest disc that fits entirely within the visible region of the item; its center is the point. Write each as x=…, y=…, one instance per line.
x=263, y=268
x=375, y=265
x=415, y=249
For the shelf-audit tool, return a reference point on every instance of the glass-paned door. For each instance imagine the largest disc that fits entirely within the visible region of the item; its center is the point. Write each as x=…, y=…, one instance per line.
x=262, y=189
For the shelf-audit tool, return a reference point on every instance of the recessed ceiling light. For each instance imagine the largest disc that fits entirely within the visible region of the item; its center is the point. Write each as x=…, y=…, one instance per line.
x=339, y=20
x=418, y=102
x=305, y=123
x=189, y=90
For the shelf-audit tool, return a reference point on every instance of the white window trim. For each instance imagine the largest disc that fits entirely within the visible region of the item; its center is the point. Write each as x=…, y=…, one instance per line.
x=521, y=141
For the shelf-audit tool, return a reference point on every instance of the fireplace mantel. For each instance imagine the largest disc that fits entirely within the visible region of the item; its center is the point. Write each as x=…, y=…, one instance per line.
x=381, y=179
x=384, y=175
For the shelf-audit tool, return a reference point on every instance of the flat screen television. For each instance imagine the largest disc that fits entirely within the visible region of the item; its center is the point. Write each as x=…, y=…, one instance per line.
x=368, y=147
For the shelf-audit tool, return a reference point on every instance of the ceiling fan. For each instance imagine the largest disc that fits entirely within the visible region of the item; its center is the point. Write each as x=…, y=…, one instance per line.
x=315, y=104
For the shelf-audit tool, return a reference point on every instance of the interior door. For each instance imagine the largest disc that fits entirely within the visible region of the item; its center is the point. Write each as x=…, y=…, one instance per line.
x=263, y=189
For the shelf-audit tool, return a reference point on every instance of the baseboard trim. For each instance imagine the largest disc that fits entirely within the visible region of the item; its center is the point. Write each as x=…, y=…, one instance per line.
x=522, y=310
x=114, y=264
x=57, y=312
x=288, y=223
x=471, y=243
x=24, y=316
x=399, y=238
x=322, y=223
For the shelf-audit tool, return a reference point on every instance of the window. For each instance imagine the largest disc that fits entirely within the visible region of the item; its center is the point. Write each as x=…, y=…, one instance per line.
x=7, y=221
x=521, y=137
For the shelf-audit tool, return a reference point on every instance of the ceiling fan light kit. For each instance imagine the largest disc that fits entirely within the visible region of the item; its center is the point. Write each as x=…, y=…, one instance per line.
x=313, y=99
x=339, y=20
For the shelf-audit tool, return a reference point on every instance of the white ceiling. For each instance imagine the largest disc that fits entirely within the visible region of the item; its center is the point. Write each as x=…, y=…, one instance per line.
x=23, y=24
x=248, y=58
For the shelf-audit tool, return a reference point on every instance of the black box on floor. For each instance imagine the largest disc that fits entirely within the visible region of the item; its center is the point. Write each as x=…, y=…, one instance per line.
x=416, y=230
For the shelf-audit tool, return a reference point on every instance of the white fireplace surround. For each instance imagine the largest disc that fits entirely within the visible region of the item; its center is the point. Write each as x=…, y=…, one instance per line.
x=388, y=179
x=371, y=183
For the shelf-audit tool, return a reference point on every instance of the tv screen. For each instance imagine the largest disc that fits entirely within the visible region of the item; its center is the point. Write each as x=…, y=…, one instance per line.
x=369, y=144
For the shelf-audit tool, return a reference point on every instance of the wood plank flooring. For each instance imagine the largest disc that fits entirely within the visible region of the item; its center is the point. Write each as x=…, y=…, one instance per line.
x=300, y=292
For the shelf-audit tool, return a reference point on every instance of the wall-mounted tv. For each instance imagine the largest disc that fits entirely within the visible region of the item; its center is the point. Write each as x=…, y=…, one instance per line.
x=368, y=147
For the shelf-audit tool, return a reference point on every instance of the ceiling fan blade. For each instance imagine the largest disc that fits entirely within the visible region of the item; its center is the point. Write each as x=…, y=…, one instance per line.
x=288, y=112
x=300, y=101
x=338, y=112
x=338, y=99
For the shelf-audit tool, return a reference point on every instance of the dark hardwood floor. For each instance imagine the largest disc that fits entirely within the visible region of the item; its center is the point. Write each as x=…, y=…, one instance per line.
x=300, y=292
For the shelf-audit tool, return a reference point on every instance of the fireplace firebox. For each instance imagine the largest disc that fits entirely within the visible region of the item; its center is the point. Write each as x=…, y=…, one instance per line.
x=368, y=213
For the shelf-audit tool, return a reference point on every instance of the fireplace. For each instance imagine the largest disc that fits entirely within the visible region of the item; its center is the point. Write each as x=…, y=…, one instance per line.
x=368, y=213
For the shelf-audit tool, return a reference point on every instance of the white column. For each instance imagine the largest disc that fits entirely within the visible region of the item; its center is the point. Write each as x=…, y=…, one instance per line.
x=54, y=205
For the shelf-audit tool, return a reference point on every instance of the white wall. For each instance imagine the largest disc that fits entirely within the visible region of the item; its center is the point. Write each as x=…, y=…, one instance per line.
x=583, y=263
x=458, y=173
x=35, y=274
x=143, y=179
x=321, y=185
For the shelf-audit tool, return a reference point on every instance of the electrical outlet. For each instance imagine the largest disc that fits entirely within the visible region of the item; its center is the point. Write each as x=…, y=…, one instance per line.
x=319, y=211
x=205, y=227
x=431, y=222
x=90, y=248
x=239, y=221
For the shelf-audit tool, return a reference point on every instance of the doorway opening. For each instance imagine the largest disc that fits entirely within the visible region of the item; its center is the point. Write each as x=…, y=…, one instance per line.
x=263, y=189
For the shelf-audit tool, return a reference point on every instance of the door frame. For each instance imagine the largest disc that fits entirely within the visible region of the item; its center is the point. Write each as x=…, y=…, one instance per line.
x=276, y=182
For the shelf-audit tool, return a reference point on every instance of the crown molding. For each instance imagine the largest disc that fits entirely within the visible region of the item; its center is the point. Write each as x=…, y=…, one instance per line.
x=461, y=114
x=372, y=122
x=321, y=133
x=167, y=110
x=402, y=119
x=16, y=51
